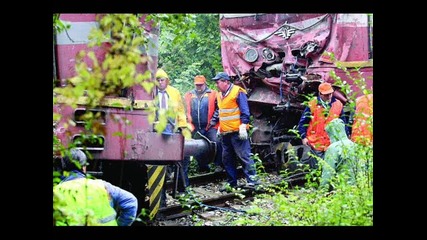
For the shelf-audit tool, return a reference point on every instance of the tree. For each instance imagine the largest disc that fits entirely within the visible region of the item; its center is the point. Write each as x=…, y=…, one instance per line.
x=197, y=50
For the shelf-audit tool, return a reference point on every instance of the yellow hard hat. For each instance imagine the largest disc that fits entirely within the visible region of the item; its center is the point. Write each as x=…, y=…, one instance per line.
x=161, y=74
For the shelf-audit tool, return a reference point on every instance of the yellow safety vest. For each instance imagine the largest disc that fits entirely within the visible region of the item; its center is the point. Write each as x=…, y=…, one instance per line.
x=176, y=104
x=82, y=202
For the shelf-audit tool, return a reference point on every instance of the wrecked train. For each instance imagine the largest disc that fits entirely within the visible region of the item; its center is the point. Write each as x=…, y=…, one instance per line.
x=280, y=59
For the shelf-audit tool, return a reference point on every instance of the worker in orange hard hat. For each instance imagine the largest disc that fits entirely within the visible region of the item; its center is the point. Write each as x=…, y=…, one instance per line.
x=319, y=112
x=201, y=105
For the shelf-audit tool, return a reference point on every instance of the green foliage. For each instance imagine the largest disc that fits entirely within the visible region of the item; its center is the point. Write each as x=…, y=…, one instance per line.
x=190, y=49
x=349, y=204
x=193, y=166
x=354, y=75
x=58, y=25
x=189, y=200
x=94, y=80
x=259, y=166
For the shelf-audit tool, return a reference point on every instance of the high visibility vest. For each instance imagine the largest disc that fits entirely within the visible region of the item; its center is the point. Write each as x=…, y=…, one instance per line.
x=82, y=202
x=229, y=111
x=316, y=133
x=362, y=131
x=176, y=104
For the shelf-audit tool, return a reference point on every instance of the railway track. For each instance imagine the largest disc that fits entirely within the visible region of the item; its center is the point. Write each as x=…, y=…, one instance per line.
x=204, y=196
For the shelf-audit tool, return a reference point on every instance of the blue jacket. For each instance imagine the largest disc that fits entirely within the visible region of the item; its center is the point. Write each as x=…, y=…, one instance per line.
x=123, y=201
x=200, y=109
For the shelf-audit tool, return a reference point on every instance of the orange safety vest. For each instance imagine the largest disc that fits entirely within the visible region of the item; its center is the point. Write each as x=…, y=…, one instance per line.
x=362, y=132
x=229, y=111
x=211, y=107
x=316, y=133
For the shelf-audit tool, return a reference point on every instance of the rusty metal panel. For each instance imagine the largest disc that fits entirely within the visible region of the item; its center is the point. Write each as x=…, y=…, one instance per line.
x=127, y=135
x=264, y=95
x=149, y=147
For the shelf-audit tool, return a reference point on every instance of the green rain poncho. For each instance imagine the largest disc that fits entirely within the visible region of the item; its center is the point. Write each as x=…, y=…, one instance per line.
x=340, y=157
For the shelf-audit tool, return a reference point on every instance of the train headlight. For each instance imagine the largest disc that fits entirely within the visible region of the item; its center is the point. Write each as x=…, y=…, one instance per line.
x=251, y=55
x=268, y=54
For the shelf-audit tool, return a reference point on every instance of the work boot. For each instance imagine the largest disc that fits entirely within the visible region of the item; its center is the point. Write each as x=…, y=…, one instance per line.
x=219, y=169
x=251, y=184
x=254, y=185
x=227, y=188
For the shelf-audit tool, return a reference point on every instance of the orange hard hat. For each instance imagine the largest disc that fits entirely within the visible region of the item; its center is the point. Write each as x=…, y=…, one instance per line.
x=199, y=79
x=325, y=88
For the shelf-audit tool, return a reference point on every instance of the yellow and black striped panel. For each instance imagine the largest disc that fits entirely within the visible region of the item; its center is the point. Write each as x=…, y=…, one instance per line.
x=156, y=178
